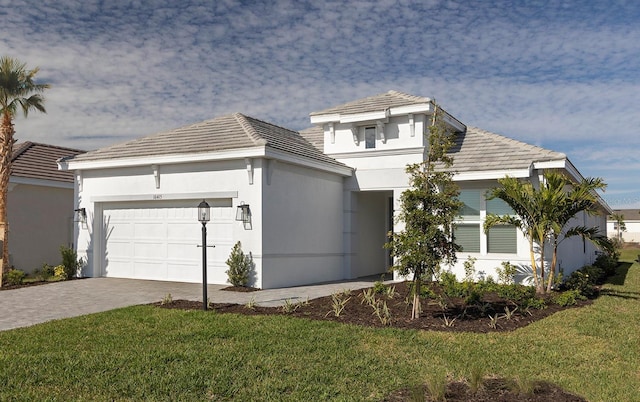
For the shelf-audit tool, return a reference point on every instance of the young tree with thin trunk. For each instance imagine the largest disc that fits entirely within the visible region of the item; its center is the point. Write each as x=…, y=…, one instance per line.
x=618, y=219
x=428, y=209
x=17, y=91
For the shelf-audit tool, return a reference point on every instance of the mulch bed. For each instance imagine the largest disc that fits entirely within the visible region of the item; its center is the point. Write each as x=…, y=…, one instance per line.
x=434, y=318
x=491, y=390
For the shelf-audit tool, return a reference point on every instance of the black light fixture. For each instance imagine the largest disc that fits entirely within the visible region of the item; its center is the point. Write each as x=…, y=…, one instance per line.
x=204, y=215
x=81, y=215
x=204, y=212
x=243, y=213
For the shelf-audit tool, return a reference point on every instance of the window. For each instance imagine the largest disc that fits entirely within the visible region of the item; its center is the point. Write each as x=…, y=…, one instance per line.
x=502, y=239
x=469, y=232
x=369, y=137
x=468, y=237
x=471, y=208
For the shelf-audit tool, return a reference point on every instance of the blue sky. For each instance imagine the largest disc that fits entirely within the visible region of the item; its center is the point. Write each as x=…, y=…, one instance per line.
x=563, y=75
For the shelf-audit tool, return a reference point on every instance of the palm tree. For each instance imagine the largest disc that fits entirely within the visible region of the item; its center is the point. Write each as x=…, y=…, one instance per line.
x=17, y=90
x=620, y=226
x=543, y=214
x=569, y=199
x=528, y=217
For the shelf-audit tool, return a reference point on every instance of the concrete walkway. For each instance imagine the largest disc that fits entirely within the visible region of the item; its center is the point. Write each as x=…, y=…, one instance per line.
x=37, y=304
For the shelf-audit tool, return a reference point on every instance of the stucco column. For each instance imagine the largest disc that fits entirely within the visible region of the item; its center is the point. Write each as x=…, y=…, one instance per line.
x=398, y=226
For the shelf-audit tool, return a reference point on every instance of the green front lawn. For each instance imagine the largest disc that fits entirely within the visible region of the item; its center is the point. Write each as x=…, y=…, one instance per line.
x=147, y=353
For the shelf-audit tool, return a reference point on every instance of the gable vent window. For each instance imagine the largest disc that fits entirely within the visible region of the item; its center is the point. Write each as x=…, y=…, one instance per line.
x=369, y=137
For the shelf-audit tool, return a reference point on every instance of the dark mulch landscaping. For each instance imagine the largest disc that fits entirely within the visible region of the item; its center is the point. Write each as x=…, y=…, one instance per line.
x=491, y=390
x=467, y=319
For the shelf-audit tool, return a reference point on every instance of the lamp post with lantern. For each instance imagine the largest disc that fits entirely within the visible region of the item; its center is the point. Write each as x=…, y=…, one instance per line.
x=204, y=215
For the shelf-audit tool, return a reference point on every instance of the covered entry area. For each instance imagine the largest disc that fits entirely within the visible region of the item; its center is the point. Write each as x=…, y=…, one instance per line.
x=371, y=221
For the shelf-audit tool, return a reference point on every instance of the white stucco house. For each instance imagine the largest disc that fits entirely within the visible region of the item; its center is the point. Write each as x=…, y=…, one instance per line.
x=321, y=201
x=631, y=234
x=39, y=205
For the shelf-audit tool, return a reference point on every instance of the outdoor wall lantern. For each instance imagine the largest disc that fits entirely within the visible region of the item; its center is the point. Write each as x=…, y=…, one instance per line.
x=243, y=214
x=81, y=215
x=204, y=215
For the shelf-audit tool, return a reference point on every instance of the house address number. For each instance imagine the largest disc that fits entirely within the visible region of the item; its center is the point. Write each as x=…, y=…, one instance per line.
x=157, y=196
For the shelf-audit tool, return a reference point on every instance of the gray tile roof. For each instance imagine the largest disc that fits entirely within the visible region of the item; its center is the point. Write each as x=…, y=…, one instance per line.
x=38, y=161
x=230, y=132
x=629, y=214
x=480, y=150
x=315, y=136
x=375, y=103
x=476, y=150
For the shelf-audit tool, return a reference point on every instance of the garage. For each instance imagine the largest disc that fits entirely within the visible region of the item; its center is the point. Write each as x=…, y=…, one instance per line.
x=160, y=240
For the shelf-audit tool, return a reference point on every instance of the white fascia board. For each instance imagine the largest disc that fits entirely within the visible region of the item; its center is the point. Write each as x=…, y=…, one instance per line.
x=361, y=117
x=163, y=159
x=453, y=122
x=325, y=118
x=40, y=182
x=377, y=153
x=491, y=174
x=575, y=175
x=404, y=110
x=307, y=162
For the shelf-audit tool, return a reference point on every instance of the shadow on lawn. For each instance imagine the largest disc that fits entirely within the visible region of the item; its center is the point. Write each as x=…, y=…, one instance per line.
x=619, y=279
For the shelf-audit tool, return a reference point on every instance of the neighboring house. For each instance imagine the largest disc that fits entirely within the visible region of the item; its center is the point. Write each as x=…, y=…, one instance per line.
x=40, y=205
x=631, y=223
x=321, y=201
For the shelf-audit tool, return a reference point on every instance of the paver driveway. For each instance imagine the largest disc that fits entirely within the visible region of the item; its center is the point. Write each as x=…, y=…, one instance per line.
x=36, y=304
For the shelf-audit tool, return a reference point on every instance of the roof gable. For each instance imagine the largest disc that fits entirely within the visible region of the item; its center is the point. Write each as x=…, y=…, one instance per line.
x=32, y=160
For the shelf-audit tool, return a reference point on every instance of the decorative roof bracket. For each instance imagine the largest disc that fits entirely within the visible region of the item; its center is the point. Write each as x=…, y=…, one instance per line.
x=249, y=163
x=354, y=133
x=332, y=133
x=380, y=126
x=412, y=125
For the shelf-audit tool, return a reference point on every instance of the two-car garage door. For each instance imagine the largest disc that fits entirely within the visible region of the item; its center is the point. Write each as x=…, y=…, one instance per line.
x=159, y=240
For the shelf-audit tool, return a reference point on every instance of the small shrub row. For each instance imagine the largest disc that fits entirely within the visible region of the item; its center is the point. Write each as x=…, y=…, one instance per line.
x=585, y=280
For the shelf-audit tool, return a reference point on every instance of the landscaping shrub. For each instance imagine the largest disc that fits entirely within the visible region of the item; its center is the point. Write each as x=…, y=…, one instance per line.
x=70, y=262
x=240, y=266
x=60, y=272
x=580, y=281
x=533, y=302
x=608, y=263
x=568, y=298
x=507, y=273
x=379, y=287
x=516, y=293
x=14, y=277
x=596, y=275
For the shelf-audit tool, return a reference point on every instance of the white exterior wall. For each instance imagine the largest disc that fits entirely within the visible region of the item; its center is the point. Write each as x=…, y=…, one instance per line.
x=176, y=182
x=397, y=133
x=631, y=235
x=302, y=227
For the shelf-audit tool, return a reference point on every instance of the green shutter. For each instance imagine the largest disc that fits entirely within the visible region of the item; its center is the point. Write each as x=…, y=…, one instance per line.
x=468, y=237
x=502, y=239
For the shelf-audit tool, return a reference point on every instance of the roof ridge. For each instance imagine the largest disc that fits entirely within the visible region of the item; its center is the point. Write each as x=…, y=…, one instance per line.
x=409, y=97
x=20, y=148
x=248, y=128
